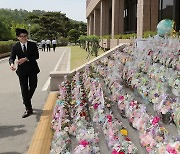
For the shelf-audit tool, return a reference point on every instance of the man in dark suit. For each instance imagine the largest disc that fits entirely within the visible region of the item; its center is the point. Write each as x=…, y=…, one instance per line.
x=27, y=70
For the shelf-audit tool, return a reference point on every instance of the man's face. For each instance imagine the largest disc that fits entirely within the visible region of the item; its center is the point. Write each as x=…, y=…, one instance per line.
x=23, y=37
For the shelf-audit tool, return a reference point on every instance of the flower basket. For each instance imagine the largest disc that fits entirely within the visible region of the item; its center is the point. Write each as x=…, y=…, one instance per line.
x=166, y=118
x=123, y=114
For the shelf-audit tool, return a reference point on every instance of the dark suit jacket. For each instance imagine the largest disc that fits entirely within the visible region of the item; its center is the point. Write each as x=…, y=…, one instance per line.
x=28, y=67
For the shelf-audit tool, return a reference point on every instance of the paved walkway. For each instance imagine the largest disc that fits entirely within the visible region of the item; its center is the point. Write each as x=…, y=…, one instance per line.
x=42, y=138
x=16, y=133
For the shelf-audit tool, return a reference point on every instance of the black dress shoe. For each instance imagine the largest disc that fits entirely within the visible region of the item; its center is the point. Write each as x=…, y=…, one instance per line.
x=27, y=113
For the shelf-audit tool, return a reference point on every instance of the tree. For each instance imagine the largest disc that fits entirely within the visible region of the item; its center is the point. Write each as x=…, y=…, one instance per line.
x=5, y=33
x=74, y=35
x=51, y=24
x=82, y=41
x=43, y=24
x=80, y=26
x=83, y=28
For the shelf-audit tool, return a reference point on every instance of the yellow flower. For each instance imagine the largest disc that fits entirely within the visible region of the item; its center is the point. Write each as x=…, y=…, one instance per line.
x=163, y=129
x=124, y=132
x=73, y=102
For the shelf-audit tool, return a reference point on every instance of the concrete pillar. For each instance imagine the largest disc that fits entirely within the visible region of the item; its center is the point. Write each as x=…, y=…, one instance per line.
x=88, y=29
x=104, y=17
x=140, y=17
x=97, y=22
x=154, y=14
x=147, y=16
x=91, y=19
x=117, y=17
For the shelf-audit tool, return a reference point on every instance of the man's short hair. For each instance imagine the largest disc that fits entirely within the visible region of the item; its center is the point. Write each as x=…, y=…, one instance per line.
x=19, y=31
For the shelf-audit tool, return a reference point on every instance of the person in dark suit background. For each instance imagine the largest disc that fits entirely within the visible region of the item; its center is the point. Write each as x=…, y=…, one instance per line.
x=26, y=53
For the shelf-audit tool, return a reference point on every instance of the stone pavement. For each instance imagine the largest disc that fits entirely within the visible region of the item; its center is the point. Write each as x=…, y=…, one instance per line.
x=16, y=133
x=41, y=140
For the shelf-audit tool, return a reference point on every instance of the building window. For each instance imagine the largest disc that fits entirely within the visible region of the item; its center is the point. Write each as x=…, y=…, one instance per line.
x=169, y=9
x=177, y=14
x=130, y=16
x=166, y=9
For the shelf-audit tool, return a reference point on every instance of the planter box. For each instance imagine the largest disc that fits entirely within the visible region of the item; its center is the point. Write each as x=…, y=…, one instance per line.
x=105, y=43
x=124, y=41
x=113, y=43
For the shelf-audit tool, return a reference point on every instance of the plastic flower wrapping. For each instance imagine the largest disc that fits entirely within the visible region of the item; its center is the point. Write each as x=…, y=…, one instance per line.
x=172, y=147
x=61, y=143
x=114, y=131
x=60, y=125
x=141, y=83
x=139, y=119
x=153, y=92
x=74, y=115
x=85, y=134
x=176, y=116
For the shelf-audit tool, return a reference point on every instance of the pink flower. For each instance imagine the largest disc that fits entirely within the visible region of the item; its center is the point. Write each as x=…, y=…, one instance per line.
x=148, y=149
x=149, y=52
x=114, y=152
x=178, y=67
x=121, y=98
x=109, y=118
x=171, y=150
x=133, y=104
x=84, y=143
x=95, y=105
x=155, y=120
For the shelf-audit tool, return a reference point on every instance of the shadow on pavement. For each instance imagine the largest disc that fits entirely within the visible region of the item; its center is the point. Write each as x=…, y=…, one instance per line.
x=37, y=113
x=7, y=131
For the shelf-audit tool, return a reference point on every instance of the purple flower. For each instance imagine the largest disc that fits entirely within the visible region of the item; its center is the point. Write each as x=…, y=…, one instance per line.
x=156, y=95
x=178, y=138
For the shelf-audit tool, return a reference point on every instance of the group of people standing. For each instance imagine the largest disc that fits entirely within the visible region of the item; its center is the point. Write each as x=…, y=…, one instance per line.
x=47, y=44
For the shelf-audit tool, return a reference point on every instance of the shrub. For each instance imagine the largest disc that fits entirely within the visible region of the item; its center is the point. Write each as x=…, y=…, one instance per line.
x=90, y=44
x=118, y=36
x=94, y=41
x=106, y=37
x=149, y=34
x=82, y=41
x=125, y=36
x=129, y=36
x=5, y=46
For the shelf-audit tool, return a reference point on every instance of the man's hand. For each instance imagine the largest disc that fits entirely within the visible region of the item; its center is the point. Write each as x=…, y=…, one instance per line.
x=12, y=67
x=21, y=61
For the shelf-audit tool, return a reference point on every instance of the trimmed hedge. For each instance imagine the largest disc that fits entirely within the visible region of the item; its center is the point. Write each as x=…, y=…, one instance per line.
x=5, y=46
x=126, y=36
x=149, y=34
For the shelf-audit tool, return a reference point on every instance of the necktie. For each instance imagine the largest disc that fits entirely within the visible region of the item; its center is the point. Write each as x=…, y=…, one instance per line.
x=24, y=48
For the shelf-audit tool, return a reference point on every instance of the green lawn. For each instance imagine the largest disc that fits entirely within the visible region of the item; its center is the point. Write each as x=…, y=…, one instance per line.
x=79, y=55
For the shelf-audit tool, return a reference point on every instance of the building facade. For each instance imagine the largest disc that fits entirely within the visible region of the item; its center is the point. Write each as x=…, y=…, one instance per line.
x=113, y=17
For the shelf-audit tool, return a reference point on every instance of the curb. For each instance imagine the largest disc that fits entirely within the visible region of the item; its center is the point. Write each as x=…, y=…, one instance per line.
x=42, y=138
x=3, y=55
